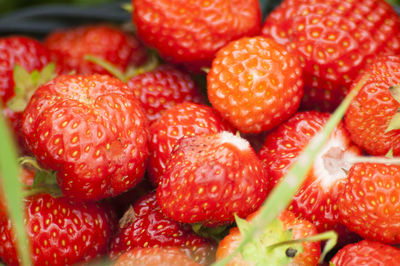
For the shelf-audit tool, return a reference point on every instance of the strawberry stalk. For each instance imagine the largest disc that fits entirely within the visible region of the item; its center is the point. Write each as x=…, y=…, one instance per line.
x=12, y=190
x=281, y=195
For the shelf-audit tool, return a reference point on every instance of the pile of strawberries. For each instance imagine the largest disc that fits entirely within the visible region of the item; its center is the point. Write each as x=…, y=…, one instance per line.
x=158, y=146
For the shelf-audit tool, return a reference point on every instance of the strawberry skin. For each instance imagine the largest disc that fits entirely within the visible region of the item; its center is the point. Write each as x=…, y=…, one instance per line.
x=92, y=131
x=69, y=47
x=193, y=31
x=209, y=178
x=167, y=256
x=147, y=226
x=162, y=89
x=255, y=84
x=300, y=228
x=182, y=120
x=334, y=40
x=316, y=199
x=61, y=232
x=368, y=204
x=371, y=110
x=367, y=253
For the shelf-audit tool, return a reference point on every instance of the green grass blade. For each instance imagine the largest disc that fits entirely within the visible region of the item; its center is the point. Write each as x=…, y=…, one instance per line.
x=9, y=171
x=281, y=196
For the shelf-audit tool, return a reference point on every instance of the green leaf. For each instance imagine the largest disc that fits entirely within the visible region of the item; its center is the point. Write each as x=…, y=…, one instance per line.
x=9, y=172
x=282, y=194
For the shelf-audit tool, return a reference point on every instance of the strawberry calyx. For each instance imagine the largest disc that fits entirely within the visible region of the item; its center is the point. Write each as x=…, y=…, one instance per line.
x=45, y=181
x=272, y=246
x=130, y=72
x=394, y=123
x=216, y=233
x=26, y=84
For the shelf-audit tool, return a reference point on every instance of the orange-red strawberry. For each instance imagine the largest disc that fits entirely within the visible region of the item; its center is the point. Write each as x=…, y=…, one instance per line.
x=62, y=232
x=92, y=131
x=334, y=40
x=316, y=199
x=193, y=31
x=371, y=111
x=146, y=226
x=70, y=46
x=20, y=54
x=163, y=88
x=367, y=253
x=368, y=204
x=209, y=178
x=285, y=228
x=167, y=256
x=183, y=120
x=255, y=84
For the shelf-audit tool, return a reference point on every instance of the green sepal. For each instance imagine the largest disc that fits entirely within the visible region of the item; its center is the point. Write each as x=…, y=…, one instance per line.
x=389, y=154
x=394, y=123
x=26, y=84
x=395, y=92
x=128, y=7
x=216, y=233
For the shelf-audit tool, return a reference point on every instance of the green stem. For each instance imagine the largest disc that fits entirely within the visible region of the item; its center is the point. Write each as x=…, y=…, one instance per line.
x=9, y=172
x=107, y=66
x=282, y=194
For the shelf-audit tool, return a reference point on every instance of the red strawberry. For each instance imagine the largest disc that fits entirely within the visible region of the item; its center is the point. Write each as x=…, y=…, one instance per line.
x=162, y=89
x=334, y=40
x=367, y=253
x=69, y=47
x=371, y=111
x=92, y=131
x=368, y=204
x=20, y=56
x=316, y=200
x=155, y=256
x=61, y=232
x=182, y=120
x=146, y=226
x=193, y=31
x=209, y=178
x=255, y=84
x=287, y=227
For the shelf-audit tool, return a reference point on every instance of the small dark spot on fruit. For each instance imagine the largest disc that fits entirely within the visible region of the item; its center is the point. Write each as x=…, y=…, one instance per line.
x=291, y=252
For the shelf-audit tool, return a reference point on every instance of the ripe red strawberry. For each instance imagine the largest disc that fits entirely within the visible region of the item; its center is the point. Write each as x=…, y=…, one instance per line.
x=255, y=84
x=146, y=226
x=287, y=227
x=193, y=31
x=69, y=47
x=209, y=178
x=182, y=120
x=162, y=89
x=92, y=131
x=368, y=204
x=371, y=111
x=316, y=199
x=334, y=40
x=367, y=253
x=61, y=232
x=20, y=54
x=169, y=256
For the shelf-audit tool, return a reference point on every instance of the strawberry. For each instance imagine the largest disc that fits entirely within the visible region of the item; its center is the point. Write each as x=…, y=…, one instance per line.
x=146, y=226
x=255, y=84
x=209, y=178
x=92, y=131
x=155, y=256
x=163, y=88
x=182, y=120
x=368, y=204
x=70, y=46
x=371, y=111
x=62, y=232
x=367, y=253
x=285, y=228
x=192, y=32
x=334, y=40
x=24, y=65
x=316, y=199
